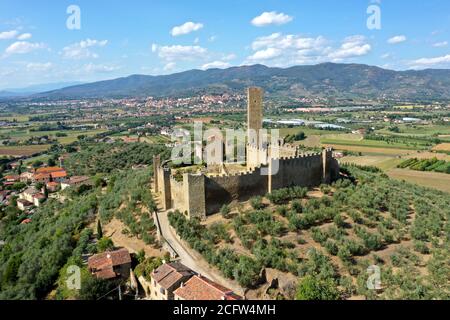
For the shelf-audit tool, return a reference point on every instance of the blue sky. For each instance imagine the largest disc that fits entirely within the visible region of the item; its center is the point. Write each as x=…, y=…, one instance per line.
x=119, y=38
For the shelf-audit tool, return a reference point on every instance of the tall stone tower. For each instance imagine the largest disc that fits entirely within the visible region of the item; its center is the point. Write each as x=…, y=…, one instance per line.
x=254, y=115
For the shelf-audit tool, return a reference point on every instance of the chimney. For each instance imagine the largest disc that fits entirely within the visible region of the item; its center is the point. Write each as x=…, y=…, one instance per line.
x=182, y=285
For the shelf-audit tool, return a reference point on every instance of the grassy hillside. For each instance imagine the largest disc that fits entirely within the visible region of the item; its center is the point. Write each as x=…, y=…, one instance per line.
x=329, y=238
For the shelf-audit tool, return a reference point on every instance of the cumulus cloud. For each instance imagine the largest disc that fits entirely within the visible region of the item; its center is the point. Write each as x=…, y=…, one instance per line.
x=397, y=39
x=216, y=64
x=25, y=36
x=81, y=50
x=186, y=28
x=22, y=47
x=36, y=66
x=6, y=35
x=270, y=18
x=431, y=62
x=440, y=44
x=179, y=52
x=286, y=50
x=354, y=46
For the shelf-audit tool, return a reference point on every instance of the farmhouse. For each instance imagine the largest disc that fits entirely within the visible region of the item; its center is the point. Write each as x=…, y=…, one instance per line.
x=167, y=278
x=111, y=265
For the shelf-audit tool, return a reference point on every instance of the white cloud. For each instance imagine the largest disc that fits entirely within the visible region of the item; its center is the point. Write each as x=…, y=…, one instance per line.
x=286, y=50
x=265, y=54
x=80, y=50
x=212, y=38
x=386, y=56
x=25, y=36
x=397, y=39
x=216, y=64
x=178, y=52
x=32, y=66
x=6, y=35
x=197, y=40
x=440, y=44
x=100, y=68
x=269, y=18
x=22, y=47
x=170, y=66
x=186, y=28
x=431, y=62
x=354, y=46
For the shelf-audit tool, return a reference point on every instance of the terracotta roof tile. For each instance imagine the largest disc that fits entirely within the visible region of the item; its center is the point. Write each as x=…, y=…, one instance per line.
x=201, y=288
x=102, y=265
x=169, y=274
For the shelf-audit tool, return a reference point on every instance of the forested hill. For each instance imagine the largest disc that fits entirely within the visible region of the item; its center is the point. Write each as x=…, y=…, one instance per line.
x=328, y=79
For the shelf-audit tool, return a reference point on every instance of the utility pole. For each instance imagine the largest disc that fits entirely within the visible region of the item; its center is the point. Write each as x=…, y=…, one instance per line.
x=120, y=293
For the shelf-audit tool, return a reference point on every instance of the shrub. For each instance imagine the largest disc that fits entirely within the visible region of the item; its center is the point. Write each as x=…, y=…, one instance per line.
x=256, y=203
x=225, y=211
x=312, y=288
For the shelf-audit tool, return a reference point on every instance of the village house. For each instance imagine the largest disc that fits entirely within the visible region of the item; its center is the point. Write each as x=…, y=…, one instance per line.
x=111, y=265
x=52, y=186
x=201, y=288
x=26, y=177
x=12, y=178
x=75, y=181
x=23, y=204
x=29, y=194
x=167, y=278
x=32, y=196
x=4, y=194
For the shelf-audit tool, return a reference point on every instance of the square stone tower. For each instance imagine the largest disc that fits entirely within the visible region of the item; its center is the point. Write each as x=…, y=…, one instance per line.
x=254, y=114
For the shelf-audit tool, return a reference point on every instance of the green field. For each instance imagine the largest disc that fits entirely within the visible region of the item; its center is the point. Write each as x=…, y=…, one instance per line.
x=367, y=143
x=24, y=134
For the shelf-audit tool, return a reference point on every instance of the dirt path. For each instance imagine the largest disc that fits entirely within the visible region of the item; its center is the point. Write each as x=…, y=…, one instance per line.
x=114, y=231
x=192, y=259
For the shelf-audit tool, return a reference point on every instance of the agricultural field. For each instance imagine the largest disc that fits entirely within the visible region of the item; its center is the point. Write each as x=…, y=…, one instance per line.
x=439, y=181
x=19, y=151
x=62, y=136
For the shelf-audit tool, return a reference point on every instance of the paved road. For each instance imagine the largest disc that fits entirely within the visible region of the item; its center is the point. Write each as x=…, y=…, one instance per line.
x=192, y=259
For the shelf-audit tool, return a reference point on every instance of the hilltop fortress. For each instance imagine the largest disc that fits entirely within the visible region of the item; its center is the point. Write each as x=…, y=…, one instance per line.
x=269, y=167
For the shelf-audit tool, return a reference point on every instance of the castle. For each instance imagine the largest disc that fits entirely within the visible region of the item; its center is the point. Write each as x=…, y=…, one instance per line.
x=269, y=167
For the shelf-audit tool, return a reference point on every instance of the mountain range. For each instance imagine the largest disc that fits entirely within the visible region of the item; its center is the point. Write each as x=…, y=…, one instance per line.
x=34, y=89
x=350, y=81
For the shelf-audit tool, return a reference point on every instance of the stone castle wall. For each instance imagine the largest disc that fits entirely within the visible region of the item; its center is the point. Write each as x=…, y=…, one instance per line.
x=200, y=195
x=224, y=189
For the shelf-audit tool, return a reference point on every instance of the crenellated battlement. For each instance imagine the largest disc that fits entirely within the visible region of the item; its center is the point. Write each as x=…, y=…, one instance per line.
x=270, y=167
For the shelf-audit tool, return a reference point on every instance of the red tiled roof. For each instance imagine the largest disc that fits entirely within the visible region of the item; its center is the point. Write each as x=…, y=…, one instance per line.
x=169, y=274
x=201, y=288
x=26, y=221
x=113, y=258
x=49, y=170
x=102, y=265
x=52, y=184
x=59, y=174
x=12, y=177
x=40, y=176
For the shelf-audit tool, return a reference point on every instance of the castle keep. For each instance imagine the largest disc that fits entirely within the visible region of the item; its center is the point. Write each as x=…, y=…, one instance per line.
x=270, y=166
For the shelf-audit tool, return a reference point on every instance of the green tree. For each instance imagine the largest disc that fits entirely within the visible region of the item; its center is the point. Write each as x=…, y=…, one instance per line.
x=314, y=288
x=99, y=230
x=105, y=244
